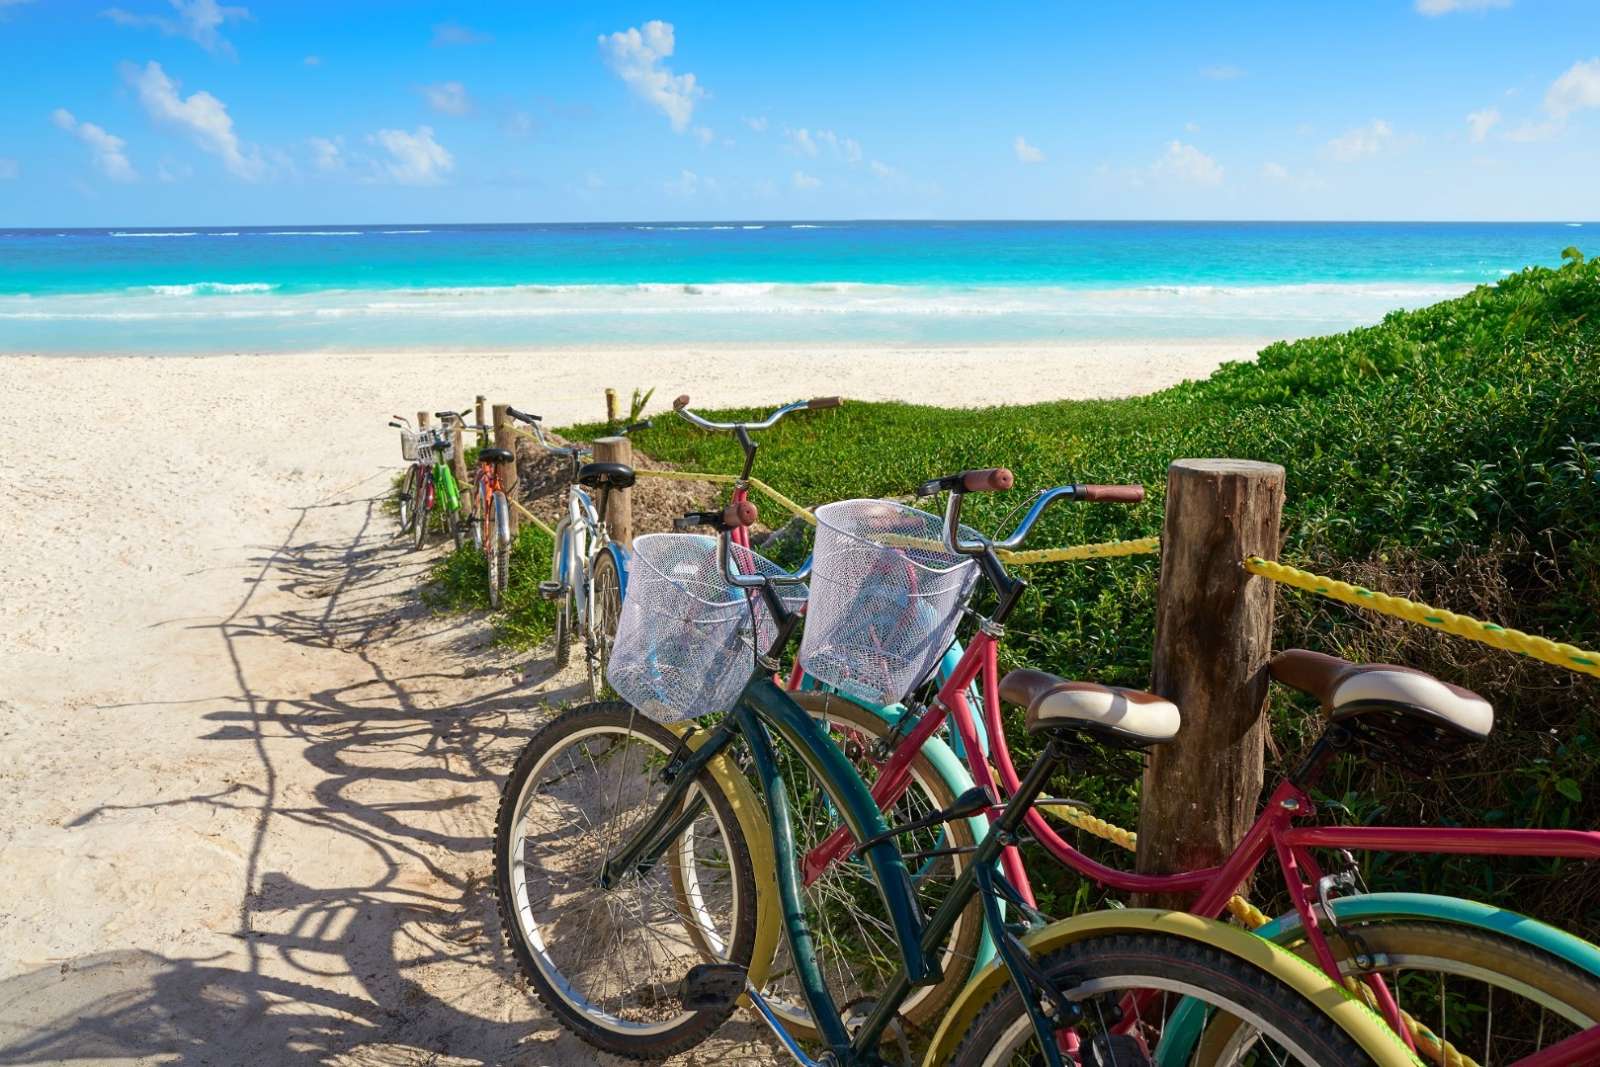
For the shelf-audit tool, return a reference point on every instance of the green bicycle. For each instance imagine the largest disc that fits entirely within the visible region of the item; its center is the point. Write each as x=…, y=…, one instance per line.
x=428, y=488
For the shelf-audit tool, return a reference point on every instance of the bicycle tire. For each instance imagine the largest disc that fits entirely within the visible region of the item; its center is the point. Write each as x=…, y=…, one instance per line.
x=422, y=508
x=605, y=609
x=405, y=499
x=497, y=556
x=861, y=969
x=561, y=991
x=1475, y=954
x=1086, y=969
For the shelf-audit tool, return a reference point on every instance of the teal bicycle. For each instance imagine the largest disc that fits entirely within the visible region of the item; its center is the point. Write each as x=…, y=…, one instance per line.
x=633, y=901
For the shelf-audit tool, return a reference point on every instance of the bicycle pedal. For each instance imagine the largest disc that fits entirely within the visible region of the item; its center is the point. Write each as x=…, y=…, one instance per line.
x=712, y=986
x=551, y=590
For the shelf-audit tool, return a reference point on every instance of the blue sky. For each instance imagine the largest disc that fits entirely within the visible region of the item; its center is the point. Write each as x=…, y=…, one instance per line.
x=166, y=112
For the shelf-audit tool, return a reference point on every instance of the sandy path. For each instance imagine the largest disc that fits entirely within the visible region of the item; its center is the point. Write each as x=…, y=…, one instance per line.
x=249, y=784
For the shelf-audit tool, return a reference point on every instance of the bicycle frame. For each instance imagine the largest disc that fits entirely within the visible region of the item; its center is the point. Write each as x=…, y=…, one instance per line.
x=763, y=708
x=1275, y=831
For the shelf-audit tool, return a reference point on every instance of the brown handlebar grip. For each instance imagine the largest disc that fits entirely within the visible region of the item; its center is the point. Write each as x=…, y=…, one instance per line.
x=1112, y=494
x=681, y=403
x=739, y=513
x=820, y=402
x=995, y=479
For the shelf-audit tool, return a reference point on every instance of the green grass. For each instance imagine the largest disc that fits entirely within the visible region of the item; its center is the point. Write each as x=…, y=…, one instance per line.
x=1451, y=454
x=459, y=582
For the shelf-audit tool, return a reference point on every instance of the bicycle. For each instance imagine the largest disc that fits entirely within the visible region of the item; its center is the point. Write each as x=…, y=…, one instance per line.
x=1392, y=713
x=428, y=485
x=589, y=571
x=661, y=977
x=489, y=516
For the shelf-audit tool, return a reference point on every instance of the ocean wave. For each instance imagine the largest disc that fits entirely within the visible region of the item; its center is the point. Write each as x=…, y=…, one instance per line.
x=313, y=233
x=135, y=233
x=195, y=288
x=405, y=231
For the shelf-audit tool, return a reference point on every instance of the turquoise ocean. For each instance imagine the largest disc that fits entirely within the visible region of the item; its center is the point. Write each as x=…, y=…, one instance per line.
x=420, y=286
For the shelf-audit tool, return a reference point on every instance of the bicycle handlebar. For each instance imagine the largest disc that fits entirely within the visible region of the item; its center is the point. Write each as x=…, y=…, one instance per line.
x=1120, y=494
x=681, y=406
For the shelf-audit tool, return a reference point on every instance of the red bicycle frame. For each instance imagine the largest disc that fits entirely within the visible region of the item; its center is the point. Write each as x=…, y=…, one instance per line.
x=1274, y=831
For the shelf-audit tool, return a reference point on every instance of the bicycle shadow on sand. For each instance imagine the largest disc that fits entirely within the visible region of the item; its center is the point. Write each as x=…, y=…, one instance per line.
x=395, y=771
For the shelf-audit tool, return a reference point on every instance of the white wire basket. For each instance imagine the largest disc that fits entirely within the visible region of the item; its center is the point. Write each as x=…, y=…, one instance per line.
x=409, y=441
x=885, y=598
x=687, y=640
x=430, y=446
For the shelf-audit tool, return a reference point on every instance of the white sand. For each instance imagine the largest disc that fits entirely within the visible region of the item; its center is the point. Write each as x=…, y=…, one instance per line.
x=249, y=784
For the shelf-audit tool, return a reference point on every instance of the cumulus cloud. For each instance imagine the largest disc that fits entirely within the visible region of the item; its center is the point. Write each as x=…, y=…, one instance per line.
x=1026, y=153
x=846, y=148
x=1479, y=123
x=106, y=149
x=1222, y=72
x=757, y=123
x=1186, y=163
x=804, y=181
x=201, y=21
x=449, y=33
x=638, y=56
x=801, y=141
x=686, y=184
x=1575, y=90
x=202, y=116
x=1360, y=142
x=705, y=135
x=881, y=169
x=448, y=98
x=1275, y=172
x=415, y=158
x=1434, y=8
x=327, y=154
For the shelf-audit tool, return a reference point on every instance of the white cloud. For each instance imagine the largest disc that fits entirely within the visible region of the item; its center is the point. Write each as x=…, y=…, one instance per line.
x=1222, y=72
x=801, y=141
x=312, y=61
x=1360, y=142
x=757, y=123
x=1576, y=90
x=810, y=143
x=1187, y=163
x=414, y=158
x=705, y=135
x=106, y=149
x=327, y=154
x=8, y=167
x=638, y=56
x=802, y=180
x=1479, y=123
x=1434, y=8
x=448, y=98
x=201, y=115
x=449, y=33
x=1191, y=127
x=1026, y=153
x=200, y=21
x=881, y=169
x=1275, y=172
x=686, y=184
x=518, y=124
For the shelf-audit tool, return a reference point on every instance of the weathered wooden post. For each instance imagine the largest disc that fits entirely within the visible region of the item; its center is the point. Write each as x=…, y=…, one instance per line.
x=458, y=455
x=424, y=420
x=611, y=407
x=619, y=511
x=506, y=472
x=1213, y=639
x=477, y=414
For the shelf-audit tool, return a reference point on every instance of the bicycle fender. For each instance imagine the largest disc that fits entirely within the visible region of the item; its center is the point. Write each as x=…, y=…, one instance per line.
x=752, y=816
x=621, y=557
x=1363, y=1025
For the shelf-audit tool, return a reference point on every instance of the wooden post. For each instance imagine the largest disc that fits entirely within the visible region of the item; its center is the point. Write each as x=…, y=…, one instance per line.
x=1213, y=639
x=611, y=407
x=458, y=456
x=507, y=472
x=424, y=420
x=619, y=509
x=477, y=415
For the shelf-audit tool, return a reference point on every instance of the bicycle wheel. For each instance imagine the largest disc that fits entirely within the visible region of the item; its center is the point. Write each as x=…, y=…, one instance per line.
x=1494, y=998
x=1271, y=1022
x=610, y=963
x=497, y=556
x=422, y=509
x=476, y=518
x=855, y=942
x=458, y=522
x=406, y=499
x=605, y=608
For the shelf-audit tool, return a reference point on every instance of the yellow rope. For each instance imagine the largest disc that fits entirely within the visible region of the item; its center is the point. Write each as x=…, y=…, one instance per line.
x=1137, y=547
x=723, y=479
x=531, y=517
x=1540, y=648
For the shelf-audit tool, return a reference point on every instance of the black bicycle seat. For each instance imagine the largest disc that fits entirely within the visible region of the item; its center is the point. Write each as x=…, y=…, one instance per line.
x=605, y=475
